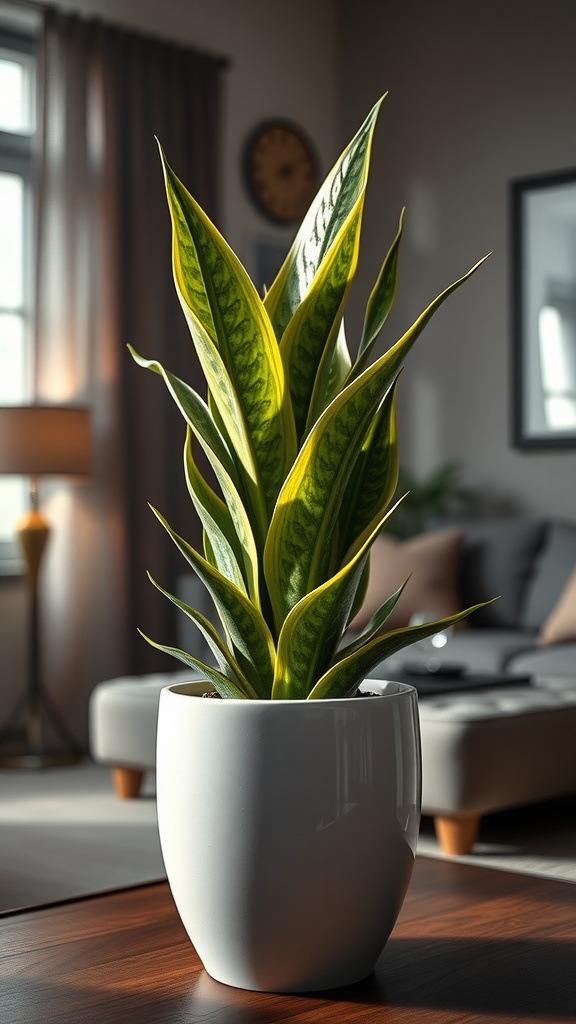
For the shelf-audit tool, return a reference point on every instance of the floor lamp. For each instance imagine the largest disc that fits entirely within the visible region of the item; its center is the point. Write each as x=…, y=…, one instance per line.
x=40, y=440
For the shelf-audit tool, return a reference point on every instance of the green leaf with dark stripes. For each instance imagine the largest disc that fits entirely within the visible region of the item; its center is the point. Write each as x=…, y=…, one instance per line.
x=199, y=419
x=380, y=302
x=246, y=629
x=224, y=686
x=344, y=677
x=195, y=412
x=236, y=346
x=297, y=552
x=373, y=625
x=222, y=555
x=328, y=212
x=375, y=477
x=339, y=368
x=361, y=591
x=316, y=321
x=226, y=663
x=312, y=630
x=237, y=561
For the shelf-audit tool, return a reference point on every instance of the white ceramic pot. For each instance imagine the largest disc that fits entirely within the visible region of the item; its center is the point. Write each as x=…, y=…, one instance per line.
x=288, y=830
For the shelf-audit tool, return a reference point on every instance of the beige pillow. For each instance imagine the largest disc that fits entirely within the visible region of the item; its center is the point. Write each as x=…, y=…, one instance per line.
x=432, y=558
x=560, y=626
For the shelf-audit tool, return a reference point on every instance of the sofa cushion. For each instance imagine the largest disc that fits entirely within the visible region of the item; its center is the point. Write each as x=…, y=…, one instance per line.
x=497, y=559
x=552, y=567
x=560, y=626
x=432, y=559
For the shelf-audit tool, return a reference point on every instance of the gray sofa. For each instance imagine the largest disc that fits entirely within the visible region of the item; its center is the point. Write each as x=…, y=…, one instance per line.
x=527, y=563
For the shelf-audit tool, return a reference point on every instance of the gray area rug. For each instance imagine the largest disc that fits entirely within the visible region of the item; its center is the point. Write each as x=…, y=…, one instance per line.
x=63, y=834
x=535, y=840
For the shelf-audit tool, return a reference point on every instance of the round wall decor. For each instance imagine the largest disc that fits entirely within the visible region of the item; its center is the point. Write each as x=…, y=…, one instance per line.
x=280, y=170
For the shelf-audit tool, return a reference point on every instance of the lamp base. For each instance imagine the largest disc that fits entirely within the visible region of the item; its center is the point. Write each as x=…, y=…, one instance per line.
x=29, y=752
x=35, y=703
x=38, y=761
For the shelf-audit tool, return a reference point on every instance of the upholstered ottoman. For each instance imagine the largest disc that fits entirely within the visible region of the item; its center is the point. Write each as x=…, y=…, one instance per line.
x=123, y=714
x=482, y=750
x=487, y=750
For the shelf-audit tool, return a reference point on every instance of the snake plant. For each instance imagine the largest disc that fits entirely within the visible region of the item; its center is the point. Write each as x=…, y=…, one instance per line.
x=301, y=438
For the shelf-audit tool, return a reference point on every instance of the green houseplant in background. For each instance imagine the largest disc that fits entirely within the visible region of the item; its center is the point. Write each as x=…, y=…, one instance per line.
x=430, y=499
x=291, y=786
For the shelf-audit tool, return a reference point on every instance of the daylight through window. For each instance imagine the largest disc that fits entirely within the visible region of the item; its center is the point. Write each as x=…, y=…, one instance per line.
x=16, y=258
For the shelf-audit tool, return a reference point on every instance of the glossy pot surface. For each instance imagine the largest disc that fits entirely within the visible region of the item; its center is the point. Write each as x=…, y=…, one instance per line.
x=288, y=830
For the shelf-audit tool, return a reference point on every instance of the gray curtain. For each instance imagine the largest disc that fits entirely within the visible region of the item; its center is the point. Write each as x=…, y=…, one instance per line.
x=104, y=279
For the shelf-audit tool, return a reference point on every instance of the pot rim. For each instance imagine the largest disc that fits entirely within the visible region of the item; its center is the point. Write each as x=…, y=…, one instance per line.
x=395, y=690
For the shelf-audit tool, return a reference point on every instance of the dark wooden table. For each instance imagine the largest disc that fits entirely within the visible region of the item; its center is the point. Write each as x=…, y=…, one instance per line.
x=471, y=944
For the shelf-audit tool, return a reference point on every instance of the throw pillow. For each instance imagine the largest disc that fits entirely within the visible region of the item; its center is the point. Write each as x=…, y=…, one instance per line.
x=433, y=560
x=560, y=626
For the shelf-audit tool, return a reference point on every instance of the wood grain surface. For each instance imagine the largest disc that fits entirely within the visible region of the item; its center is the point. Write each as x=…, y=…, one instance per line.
x=471, y=944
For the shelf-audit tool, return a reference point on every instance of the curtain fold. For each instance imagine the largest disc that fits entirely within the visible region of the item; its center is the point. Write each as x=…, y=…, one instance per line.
x=104, y=280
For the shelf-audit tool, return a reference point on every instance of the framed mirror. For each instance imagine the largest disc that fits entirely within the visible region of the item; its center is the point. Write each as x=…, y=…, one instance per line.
x=544, y=311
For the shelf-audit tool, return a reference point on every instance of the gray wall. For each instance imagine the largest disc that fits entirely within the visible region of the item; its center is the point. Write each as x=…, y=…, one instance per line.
x=479, y=93
x=276, y=68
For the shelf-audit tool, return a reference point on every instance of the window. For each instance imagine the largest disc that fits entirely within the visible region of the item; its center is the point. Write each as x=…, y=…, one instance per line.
x=557, y=338
x=17, y=124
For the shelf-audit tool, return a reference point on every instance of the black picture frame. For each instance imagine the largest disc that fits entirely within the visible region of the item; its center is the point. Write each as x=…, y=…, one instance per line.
x=542, y=213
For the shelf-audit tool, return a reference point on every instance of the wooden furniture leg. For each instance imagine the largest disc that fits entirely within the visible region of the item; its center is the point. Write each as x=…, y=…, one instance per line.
x=127, y=782
x=456, y=835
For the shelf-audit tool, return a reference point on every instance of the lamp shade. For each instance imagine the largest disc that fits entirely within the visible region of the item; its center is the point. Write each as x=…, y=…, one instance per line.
x=38, y=440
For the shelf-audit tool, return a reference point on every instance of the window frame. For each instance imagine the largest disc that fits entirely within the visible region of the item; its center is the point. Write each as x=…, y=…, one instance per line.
x=16, y=157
